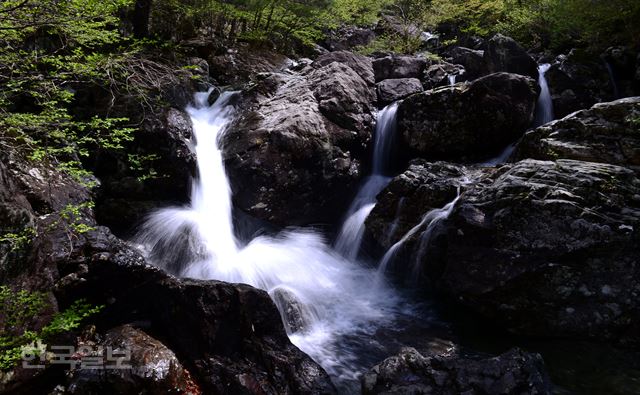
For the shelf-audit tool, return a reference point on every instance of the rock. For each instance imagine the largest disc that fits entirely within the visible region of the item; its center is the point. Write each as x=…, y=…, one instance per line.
x=147, y=366
x=439, y=74
x=504, y=54
x=472, y=61
x=396, y=66
x=358, y=63
x=514, y=372
x=547, y=249
x=467, y=121
x=348, y=38
x=409, y=196
x=293, y=153
x=621, y=62
x=240, y=64
x=166, y=163
x=395, y=89
x=608, y=133
x=577, y=82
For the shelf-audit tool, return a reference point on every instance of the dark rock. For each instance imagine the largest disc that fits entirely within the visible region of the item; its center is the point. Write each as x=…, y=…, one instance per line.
x=577, y=82
x=348, y=38
x=240, y=64
x=514, y=372
x=439, y=74
x=548, y=249
x=358, y=63
x=504, y=54
x=472, y=61
x=293, y=152
x=147, y=366
x=395, y=66
x=167, y=163
x=395, y=89
x=467, y=121
x=424, y=186
x=608, y=132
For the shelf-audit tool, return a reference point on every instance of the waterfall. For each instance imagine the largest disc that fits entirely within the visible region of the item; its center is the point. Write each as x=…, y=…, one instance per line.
x=452, y=79
x=330, y=306
x=612, y=78
x=428, y=222
x=350, y=236
x=544, y=107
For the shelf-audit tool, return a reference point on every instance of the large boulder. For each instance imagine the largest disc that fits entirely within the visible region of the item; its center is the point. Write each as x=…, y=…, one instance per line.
x=467, y=121
x=362, y=65
x=293, y=153
x=442, y=74
x=546, y=248
x=513, y=373
x=238, y=65
x=608, y=132
x=397, y=66
x=348, y=37
x=472, y=60
x=397, y=88
x=505, y=54
x=146, y=365
x=577, y=81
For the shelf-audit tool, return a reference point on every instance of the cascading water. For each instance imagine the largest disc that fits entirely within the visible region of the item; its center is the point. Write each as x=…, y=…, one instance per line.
x=544, y=114
x=350, y=237
x=330, y=306
x=544, y=107
x=612, y=79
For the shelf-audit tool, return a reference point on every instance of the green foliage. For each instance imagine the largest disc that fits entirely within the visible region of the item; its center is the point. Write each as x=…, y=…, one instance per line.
x=544, y=23
x=72, y=216
x=21, y=311
x=391, y=42
x=18, y=241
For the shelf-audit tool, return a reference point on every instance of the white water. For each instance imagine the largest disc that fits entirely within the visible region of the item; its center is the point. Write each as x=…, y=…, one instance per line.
x=331, y=306
x=544, y=107
x=350, y=237
x=452, y=79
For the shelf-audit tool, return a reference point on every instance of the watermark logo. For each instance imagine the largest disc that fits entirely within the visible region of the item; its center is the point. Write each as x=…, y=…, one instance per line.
x=36, y=355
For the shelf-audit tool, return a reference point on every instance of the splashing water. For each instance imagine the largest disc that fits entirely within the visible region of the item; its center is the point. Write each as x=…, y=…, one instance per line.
x=330, y=306
x=350, y=237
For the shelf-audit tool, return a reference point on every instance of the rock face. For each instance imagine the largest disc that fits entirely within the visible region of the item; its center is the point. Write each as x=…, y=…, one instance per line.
x=514, y=372
x=408, y=197
x=468, y=121
x=472, y=60
x=235, y=66
x=348, y=37
x=395, y=89
x=438, y=74
x=504, y=54
x=547, y=248
x=395, y=66
x=608, y=132
x=149, y=366
x=577, y=82
x=294, y=151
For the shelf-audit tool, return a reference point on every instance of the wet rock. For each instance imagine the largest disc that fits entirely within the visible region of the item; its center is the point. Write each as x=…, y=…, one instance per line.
x=608, y=133
x=505, y=54
x=360, y=64
x=163, y=165
x=467, y=121
x=514, y=372
x=395, y=66
x=577, y=81
x=238, y=65
x=439, y=74
x=525, y=241
x=147, y=365
x=409, y=196
x=348, y=38
x=294, y=151
x=472, y=61
x=395, y=89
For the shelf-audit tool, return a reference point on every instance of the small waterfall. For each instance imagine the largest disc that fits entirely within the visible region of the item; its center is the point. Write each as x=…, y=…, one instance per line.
x=544, y=107
x=350, y=237
x=428, y=222
x=331, y=307
x=612, y=79
x=452, y=79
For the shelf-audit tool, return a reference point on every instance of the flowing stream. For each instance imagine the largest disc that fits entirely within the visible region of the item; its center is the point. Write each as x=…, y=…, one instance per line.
x=331, y=304
x=544, y=107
